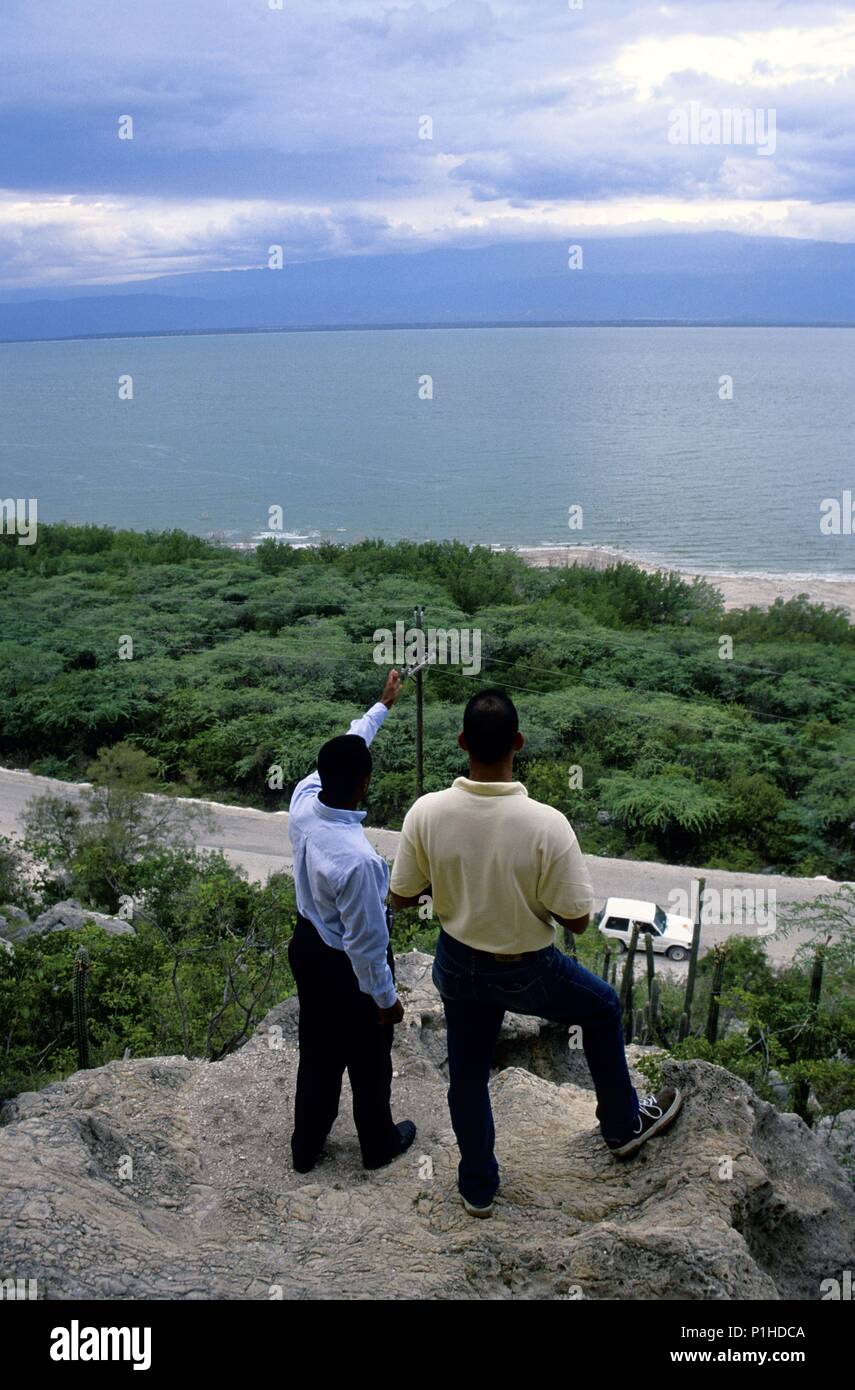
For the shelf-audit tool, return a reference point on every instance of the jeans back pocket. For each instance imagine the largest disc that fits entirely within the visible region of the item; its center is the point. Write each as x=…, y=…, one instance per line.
x=449, y=980
x=520, y=990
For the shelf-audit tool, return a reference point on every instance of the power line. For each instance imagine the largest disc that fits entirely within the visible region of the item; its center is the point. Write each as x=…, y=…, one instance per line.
x=737, y=666
x=719, y=705
x=634, y=717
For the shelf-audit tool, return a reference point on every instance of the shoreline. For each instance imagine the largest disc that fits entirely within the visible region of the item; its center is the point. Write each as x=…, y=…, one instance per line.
x=427, y=325
x=737, y=590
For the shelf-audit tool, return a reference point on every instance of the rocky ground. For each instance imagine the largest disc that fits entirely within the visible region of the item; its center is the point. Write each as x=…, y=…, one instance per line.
x=737, y=1201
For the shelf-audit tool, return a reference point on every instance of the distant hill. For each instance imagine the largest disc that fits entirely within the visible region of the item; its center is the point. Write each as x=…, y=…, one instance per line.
x=699, y=278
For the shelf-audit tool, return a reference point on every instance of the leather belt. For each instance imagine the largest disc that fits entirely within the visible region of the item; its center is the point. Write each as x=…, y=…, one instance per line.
x=512, y=957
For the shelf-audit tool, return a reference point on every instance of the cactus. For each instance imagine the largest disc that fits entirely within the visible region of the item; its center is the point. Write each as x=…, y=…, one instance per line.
x=651, y=1008
x=816, y=978
x=686, y=1016
x=651, y=965
x=651, y=1014
x=802, y=1087
x=81, y=1028
x=637, y=1030
x=720, y=955
x=607, y=960
x=626, y=989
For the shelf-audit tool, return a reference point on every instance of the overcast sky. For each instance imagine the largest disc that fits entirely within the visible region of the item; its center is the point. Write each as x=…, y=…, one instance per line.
x=300, y=127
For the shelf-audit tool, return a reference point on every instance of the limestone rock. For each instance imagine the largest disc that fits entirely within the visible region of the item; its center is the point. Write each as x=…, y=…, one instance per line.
x=12, y=922
x=837, y=1132
x=69, y=915
x=169, y=1178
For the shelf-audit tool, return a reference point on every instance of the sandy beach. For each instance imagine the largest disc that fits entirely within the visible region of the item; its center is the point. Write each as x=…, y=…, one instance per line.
x=738, y=590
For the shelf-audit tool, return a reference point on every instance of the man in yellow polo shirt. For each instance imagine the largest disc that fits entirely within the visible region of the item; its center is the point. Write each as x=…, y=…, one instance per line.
x=502, y=869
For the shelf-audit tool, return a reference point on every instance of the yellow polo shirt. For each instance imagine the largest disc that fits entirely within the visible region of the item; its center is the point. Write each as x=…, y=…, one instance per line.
x=498, y=863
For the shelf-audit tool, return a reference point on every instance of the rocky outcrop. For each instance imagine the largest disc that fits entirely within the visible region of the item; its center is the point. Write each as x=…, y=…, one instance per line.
x=171, y=1178
x=837, y=1132
x=65, y=916
x=12, y=921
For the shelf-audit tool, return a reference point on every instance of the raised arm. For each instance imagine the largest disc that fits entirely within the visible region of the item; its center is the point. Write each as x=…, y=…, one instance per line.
x=372, y=721
x=366, y=726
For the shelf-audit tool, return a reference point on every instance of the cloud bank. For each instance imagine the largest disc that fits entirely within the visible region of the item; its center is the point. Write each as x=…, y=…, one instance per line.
x=303, y=127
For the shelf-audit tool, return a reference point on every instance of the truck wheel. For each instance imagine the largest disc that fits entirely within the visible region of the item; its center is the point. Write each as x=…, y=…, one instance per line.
x=676, y=953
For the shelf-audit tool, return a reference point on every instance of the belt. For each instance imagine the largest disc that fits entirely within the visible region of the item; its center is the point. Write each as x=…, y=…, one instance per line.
x=500, y=956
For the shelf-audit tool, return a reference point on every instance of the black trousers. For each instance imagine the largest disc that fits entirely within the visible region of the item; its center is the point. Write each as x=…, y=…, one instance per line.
x=339, y=1027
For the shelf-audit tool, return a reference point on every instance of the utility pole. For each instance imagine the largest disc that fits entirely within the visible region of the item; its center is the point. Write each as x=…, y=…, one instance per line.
x=419, y=618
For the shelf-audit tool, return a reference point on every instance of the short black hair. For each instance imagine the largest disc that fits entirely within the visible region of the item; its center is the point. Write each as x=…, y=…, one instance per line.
x=490, y=725
x=343, y=764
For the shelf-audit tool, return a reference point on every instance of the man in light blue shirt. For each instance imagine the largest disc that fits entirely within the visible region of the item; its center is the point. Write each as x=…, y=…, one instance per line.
x=340, y=953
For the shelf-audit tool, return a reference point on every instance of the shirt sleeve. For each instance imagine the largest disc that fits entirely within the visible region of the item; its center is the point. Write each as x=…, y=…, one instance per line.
x=411, y=871
x=370, y=723
x=366, y=727
x=362, y=911
x=564, y=886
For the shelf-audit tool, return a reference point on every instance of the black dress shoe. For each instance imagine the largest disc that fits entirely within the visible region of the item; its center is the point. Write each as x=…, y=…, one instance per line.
x=302, y=1164
x=406, y=1133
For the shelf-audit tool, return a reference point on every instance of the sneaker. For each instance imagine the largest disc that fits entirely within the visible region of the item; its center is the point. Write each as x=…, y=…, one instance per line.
x=407, y=1133
x=655, y=1114
x=477, y=1211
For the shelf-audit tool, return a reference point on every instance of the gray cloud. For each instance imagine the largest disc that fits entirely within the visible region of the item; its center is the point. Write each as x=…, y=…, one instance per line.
x=307, y=118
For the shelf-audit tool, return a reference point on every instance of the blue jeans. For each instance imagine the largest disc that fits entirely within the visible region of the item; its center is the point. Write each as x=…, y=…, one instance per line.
x=476, y=990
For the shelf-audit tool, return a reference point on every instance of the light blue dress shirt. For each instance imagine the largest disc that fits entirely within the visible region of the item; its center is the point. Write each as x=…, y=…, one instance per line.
x=341, y=881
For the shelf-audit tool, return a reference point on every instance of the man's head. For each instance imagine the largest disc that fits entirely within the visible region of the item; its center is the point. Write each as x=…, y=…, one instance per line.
x=344, y=766
x=491, y=729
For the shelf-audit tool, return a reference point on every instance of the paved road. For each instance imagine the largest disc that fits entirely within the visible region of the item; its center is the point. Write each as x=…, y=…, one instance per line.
x=258, y=842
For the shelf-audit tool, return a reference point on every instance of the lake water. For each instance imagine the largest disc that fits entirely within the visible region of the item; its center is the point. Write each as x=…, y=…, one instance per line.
x=524, y=423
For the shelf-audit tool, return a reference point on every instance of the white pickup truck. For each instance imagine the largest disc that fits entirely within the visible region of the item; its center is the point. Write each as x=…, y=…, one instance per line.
x=671, y=934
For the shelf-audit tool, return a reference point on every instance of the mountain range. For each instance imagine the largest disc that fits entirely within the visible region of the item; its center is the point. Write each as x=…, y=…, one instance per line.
x=704, y=278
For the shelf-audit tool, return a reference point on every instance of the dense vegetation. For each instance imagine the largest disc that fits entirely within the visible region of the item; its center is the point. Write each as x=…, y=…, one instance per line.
x=247, y=662
x=208, y=959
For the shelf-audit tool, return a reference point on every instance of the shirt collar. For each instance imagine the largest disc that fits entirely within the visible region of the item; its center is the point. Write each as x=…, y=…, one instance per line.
x=338, y=816
x=466, y=784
